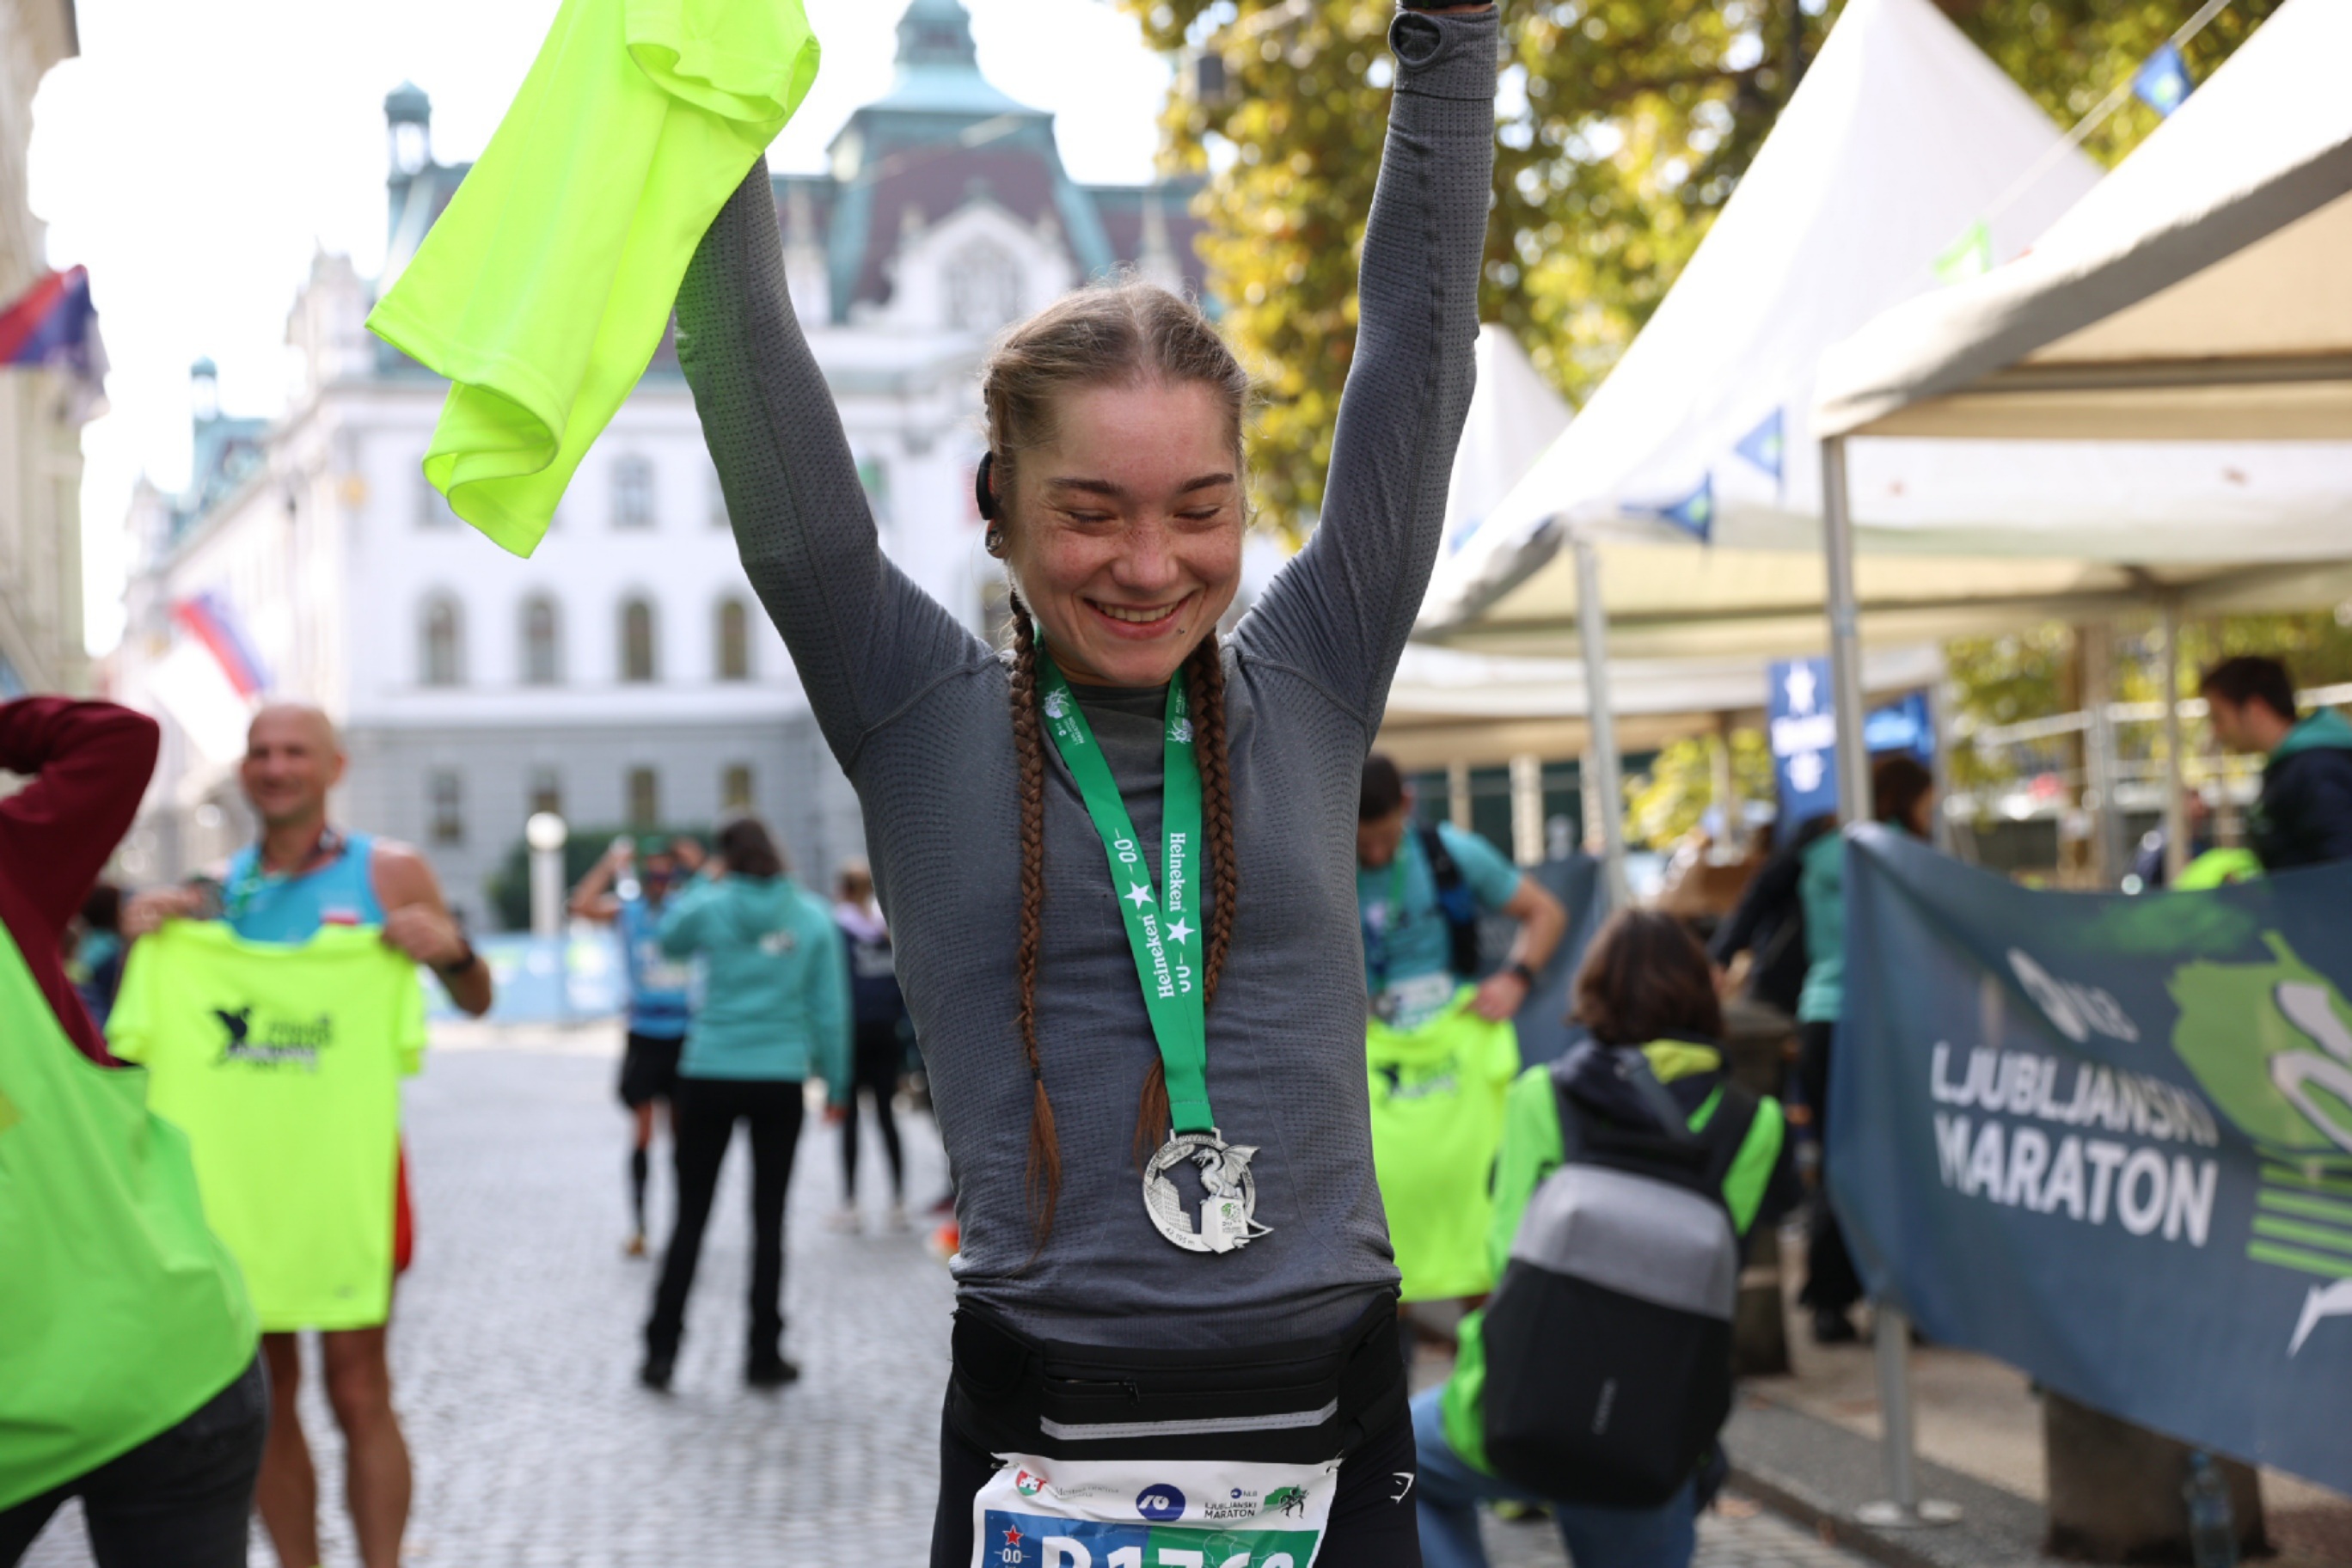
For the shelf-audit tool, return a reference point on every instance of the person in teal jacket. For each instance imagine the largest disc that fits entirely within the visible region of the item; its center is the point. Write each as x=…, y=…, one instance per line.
x=774, y=1011
x=1902, y=793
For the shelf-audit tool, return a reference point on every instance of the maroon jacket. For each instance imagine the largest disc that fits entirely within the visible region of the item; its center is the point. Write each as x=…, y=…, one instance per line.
x=90, y=763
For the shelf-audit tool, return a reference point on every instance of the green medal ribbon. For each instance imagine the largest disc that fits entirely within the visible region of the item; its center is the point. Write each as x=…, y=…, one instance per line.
x=1161, y=932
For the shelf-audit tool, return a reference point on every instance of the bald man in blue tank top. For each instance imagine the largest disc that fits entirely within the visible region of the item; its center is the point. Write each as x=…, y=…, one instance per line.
x=302, y=874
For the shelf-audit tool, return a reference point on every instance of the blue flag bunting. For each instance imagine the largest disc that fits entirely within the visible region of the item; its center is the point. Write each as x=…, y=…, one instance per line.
x=1764, y=446
x=1694, y=513
x=2163, y=81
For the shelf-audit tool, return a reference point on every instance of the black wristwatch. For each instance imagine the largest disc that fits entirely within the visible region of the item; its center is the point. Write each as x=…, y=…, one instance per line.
x=458, y=966
x=1519, y=966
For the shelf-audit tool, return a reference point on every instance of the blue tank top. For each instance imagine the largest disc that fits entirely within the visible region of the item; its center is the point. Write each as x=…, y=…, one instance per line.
x=658, y=982
x=341, y=892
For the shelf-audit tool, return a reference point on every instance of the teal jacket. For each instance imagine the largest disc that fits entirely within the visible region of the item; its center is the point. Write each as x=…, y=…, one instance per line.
x=1820, y=886
x=775, y=992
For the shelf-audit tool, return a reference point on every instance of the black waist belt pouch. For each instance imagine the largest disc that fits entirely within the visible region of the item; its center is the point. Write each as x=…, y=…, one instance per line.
x=1299, y=1402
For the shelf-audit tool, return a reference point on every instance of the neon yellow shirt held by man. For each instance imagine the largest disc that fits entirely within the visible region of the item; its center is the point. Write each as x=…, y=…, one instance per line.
x=1437, y=1096
x=541, y=292
x=282, y=1063
x=121, y=1313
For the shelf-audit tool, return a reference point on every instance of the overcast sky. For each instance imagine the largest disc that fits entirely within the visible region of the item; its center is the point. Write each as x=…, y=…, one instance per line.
x=196, y=155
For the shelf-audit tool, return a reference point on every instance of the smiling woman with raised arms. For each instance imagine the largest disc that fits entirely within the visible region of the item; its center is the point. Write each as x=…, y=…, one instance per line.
x=1118, y=863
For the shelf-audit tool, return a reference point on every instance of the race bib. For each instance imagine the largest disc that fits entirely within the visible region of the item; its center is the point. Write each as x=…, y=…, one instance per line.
x=1139, y=1514
x=1407, y=1004
x=656, y=971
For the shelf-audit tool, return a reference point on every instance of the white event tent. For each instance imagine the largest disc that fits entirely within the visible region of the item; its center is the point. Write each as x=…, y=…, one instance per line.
x=1448, y=705
x=1901, y=137
x=2201, y=297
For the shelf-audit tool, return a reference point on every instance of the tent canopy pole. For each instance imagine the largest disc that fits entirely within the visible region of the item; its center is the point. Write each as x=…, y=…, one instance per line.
x=1592, y=630
x=1891, y=1325
x=2176, y=774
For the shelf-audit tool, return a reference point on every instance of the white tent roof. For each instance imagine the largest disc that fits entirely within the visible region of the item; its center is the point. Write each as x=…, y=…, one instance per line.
x=2202, y=290
x=1514, y=416
x=1449, y=705
x=1901, y=134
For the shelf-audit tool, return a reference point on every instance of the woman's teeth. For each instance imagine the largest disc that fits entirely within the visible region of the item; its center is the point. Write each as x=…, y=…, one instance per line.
x=1132, y=614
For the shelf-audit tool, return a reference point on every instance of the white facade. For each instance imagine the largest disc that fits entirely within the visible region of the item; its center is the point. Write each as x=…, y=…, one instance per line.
x=40, y=416
x=624, y=673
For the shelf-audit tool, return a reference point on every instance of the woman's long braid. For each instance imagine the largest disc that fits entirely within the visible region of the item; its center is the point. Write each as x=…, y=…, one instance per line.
x=1043, y=1178
x=1204, y=677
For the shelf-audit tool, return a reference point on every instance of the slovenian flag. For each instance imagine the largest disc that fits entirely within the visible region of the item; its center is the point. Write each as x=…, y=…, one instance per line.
x=208, y=618
x=53, y=323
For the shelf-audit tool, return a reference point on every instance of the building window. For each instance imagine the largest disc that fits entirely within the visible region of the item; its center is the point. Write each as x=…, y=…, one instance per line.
x=645, y=799
x=445, y=792
x=983, y=287
x=432, y=506
x=637, y=641
x=546, y=791
x=732, y=656
x=633, y=492
x=543, y=659
x=735, y=787
x=442, y=635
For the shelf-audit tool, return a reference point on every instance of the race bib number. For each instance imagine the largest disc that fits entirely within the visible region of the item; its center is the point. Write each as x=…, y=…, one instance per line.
x=656, y=971
x=1136, y=1513
x=1410, y=1004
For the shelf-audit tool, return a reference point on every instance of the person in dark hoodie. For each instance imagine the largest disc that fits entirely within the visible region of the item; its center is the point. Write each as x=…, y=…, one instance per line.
x=2304, y=816
x=1645, y=986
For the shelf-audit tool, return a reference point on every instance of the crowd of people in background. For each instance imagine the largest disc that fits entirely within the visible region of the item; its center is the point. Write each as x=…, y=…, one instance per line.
x=744, y=985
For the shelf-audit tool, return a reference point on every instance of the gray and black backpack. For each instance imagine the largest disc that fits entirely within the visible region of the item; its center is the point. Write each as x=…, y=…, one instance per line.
x=1608, y=1341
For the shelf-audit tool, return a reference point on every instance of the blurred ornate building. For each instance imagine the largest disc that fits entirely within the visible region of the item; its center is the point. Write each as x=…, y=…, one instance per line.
x=625, y=676
x=40, y=414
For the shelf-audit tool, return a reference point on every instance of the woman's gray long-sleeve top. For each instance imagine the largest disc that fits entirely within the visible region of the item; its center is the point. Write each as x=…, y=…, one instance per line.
x=915, y=707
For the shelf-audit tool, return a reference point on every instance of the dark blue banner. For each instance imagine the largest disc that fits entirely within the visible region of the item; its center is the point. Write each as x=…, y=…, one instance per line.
x=2108, y=1139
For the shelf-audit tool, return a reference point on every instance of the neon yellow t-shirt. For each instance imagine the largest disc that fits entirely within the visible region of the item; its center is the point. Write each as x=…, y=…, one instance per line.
x=1438, y=1118
x=121, y=1314
x=542, y=290
x=282, y=1062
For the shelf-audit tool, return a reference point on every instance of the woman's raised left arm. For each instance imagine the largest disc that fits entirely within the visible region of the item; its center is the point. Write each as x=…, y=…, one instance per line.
x=1341, y=611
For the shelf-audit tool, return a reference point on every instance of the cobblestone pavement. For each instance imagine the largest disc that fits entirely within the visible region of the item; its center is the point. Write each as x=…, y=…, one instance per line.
x=515, y=1347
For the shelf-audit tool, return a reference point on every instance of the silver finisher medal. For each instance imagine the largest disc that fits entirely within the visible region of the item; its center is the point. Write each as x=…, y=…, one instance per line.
x=1229, y=1211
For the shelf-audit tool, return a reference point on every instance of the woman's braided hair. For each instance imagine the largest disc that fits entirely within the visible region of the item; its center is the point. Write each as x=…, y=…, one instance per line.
x=1123, y=332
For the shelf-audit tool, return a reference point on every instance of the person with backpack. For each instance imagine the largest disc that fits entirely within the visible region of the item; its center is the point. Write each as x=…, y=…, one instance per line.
x=1630, y=1175
x=1439, y=1043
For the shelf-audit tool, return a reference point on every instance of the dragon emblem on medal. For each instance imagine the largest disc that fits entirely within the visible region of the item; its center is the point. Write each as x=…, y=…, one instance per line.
x=1228, y=1217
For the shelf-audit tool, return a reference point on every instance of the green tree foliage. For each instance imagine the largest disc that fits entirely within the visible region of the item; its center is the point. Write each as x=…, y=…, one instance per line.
x=1624, y=127
x=2026, y=675
x=1667, y=799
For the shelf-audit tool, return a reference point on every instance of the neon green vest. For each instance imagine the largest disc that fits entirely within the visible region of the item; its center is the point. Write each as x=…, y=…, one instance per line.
x=119, y=1312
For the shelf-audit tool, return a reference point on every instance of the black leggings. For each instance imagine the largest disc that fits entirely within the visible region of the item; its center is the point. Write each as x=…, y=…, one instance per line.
x=707, y=1109
x=1831, y=1283
x=1374, y=1523
x=178, y=1501
x=875, y=1076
